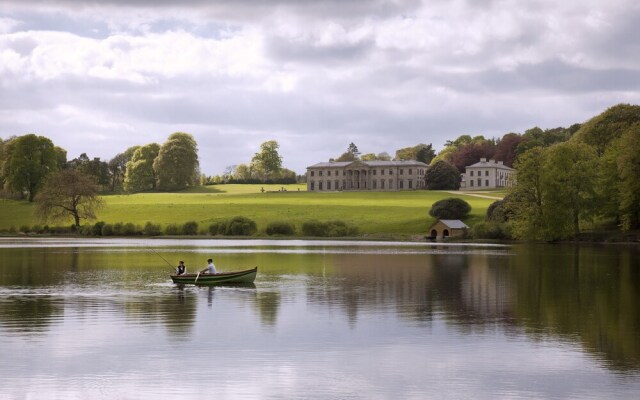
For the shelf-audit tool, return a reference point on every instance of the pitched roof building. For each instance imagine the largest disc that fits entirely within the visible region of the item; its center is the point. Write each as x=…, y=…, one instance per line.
x=366, y=175
x=485, y=174
x=444, y=228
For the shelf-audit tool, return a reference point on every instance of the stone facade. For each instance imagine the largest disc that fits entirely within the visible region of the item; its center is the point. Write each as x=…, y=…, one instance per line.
x=487, y=175
x=366, y=176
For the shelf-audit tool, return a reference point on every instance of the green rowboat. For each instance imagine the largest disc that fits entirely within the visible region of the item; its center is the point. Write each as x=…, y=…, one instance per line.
x=247, y=276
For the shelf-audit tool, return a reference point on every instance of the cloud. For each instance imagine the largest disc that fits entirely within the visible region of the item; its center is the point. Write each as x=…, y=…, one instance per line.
x=315, y=75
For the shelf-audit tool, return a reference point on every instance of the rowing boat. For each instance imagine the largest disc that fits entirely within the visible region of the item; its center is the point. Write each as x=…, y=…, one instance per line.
x=246, y=276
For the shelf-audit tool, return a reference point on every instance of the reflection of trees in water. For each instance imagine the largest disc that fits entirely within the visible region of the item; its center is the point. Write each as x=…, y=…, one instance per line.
x=374, y=282
x=268, y=304
x=176, y=309
x=582, y=292
x=586, y=293
x=30, y=315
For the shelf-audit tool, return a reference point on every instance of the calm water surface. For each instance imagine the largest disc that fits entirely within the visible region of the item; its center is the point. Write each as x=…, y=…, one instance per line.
x=100, y=319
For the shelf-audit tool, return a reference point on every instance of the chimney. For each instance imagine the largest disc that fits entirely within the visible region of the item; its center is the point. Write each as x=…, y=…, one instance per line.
x=483, y=160
x=500, y=163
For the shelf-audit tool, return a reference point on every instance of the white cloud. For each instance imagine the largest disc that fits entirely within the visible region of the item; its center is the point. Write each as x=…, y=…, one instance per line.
x=313, y=75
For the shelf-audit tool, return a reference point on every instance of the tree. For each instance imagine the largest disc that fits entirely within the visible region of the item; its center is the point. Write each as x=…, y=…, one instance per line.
x=450, y=208
x=526, y=197
x=177, y=166
x=28, y=160
x=68, y=193
x=506, y=148
x=602, y=129
x=140, y=174
x=94, y=167
x=421, y=152
x=442, y=176
x=628, y=165
x=569, y=182
x=267, y=162
x=346, y=156
x=353, y=149
x=375, y=157
x=117, y=168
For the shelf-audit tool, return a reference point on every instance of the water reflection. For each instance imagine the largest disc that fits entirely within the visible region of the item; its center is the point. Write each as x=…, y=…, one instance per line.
x=576, y=299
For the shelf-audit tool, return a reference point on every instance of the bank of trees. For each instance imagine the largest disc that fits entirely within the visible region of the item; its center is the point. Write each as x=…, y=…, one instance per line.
x=592, y=177
x=265, y=167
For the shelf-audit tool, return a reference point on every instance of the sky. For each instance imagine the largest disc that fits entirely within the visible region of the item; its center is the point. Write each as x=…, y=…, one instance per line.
x=97, y=77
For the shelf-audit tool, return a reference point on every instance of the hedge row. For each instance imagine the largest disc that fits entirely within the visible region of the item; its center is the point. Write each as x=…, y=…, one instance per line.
x=236, y=226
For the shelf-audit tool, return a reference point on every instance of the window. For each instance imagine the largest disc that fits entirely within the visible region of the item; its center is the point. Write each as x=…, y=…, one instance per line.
x=320, y=173
x=390, y=172
x=390, y=183
x=337, y=185
x=374, y=171
x=375, y=184
x=479, y=182
x=471, y=183
x=401, y=183
x=410, y=171
x=486, y=173
x=328, y=185
x=319, y=185
x=313, y=173
x=401, y=171
x=381, y=172
x=381, y=183
x=486, y=182
x=410, y=184
x=329, y=173
x=313, y=186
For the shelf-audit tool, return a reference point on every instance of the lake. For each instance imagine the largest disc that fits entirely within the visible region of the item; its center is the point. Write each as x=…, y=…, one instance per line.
x=100, y=319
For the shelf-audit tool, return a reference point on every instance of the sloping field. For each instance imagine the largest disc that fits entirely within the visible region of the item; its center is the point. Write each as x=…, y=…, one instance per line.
x=374, y=213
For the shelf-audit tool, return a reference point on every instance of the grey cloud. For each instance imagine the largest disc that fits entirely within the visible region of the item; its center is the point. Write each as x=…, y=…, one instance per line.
x=284, y=50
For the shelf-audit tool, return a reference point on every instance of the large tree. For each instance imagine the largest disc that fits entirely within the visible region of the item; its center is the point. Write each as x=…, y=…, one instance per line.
x=506, y=148
x=177, y=164
x=140, y=174
x=267, y=162
x=27, y=161
x=94, y=167
x=420, y=152
x=442, y=176
x=68, y=193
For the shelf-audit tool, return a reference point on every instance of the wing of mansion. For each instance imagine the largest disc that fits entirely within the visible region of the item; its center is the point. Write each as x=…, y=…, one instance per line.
x=399, y=175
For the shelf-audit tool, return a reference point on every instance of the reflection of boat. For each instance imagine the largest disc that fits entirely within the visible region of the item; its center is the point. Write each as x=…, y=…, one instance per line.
x=247, y=276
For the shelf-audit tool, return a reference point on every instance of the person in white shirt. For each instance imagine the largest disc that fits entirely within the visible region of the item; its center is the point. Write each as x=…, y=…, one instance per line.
x=211, y=269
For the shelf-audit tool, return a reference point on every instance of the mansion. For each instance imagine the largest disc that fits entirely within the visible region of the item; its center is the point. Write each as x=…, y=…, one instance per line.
x=366, y=175
x=487, y=175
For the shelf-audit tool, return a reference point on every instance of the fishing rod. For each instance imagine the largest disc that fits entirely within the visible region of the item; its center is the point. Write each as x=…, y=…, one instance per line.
x=158, y=254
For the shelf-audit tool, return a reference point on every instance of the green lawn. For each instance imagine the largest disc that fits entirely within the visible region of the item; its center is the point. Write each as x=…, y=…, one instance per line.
x=399, y=214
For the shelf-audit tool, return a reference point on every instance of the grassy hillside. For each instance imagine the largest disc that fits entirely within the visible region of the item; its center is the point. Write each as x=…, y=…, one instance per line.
x=399, y=214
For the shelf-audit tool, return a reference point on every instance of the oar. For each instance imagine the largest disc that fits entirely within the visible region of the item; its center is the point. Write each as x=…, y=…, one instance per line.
x=198, y=276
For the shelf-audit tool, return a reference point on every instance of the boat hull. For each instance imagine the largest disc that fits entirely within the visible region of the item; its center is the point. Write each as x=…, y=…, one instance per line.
x=242, y=277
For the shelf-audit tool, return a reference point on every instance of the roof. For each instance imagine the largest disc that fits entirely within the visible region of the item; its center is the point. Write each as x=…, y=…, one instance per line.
x=454, y=223
x=404, y=163
x=483, y=163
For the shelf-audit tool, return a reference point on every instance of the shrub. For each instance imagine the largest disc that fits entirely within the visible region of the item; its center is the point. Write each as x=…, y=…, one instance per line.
x=313, y=228
x=97, y=228
x=335, y=228
x=118, y=229
x=151, y=229
x=86, y=230
x=25, y=229
x=37, y=229
x=190, y=228
x=107, y=230
x=172, y=229
x=491, y=230
x=216, y=228
x=240, y=226
x=129, y=229
x=280, y=228
x=450, y=208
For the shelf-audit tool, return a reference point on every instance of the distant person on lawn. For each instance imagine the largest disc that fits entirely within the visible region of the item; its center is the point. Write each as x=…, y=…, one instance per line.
x=211, y=269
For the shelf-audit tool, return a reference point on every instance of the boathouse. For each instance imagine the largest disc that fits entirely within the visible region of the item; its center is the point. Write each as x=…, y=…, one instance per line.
x=444, y=228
